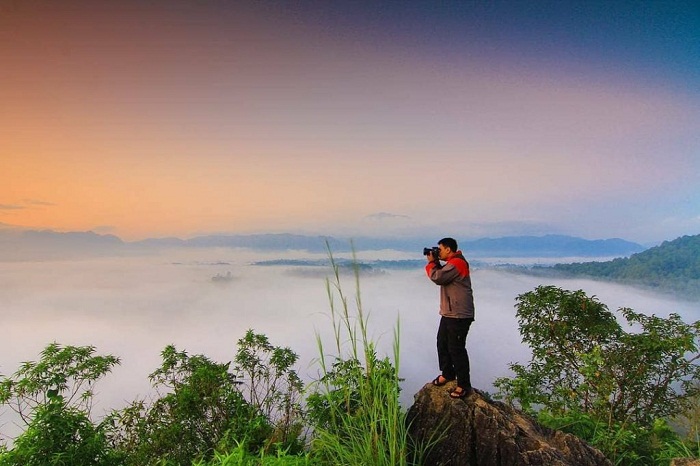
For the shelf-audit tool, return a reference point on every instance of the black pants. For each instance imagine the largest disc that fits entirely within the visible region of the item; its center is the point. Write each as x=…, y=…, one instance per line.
x=452, y=350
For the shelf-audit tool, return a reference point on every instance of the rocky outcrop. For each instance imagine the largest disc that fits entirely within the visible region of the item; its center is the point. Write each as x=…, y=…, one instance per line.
x=480, y=432
x=685, y=462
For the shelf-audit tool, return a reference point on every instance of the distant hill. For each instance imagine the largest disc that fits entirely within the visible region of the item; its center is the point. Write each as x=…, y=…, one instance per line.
x=511, y=246
x=47, y=244
x=550, y=246
x=673, y=266
x=21, y=245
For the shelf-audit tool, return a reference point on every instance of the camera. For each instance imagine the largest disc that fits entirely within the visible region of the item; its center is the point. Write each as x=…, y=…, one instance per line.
x=435, y=251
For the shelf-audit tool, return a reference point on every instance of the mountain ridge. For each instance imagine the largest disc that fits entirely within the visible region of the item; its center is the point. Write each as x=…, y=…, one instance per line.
x=673, y=266
x=509, y=246
x=15, y=244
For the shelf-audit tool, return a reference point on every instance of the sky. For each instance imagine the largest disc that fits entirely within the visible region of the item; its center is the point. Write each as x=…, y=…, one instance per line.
x=467, y=119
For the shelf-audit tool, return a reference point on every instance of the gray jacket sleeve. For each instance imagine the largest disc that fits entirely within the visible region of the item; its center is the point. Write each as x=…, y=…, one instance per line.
x=444, y=275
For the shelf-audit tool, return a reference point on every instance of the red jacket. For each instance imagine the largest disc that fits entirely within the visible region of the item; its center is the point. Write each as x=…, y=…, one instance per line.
x=456, y=298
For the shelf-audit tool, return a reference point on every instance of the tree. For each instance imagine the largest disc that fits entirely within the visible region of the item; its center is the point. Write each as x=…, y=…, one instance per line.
x=583, y=360
x=53, y=397
x=199, y=405
x=205, y=406
x=271, y=384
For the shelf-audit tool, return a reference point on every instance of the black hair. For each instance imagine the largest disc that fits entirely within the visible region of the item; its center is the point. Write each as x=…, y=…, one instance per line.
x=449, y=243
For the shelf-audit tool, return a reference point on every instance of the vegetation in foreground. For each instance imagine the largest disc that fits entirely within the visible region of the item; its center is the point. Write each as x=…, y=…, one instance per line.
x=248, y=411
x=616, y=387
x=613, y=387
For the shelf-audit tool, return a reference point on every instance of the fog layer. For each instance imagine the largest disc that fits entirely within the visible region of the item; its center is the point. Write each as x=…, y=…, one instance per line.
x=133, y=307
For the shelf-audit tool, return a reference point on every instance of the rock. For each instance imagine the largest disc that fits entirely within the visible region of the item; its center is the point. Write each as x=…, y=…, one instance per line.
x=480, y=432
x=685, y=462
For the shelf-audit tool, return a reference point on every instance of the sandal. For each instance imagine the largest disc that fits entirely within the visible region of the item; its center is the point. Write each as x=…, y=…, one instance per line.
x=438, y=383
x=460, y=393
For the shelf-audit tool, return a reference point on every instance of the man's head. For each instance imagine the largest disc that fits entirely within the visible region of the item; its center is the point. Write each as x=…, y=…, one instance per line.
x=447, y=246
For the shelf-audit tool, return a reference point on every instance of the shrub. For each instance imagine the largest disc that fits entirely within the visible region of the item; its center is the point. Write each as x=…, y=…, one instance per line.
x=200, y=406
x=53, y=397
x=583, y=360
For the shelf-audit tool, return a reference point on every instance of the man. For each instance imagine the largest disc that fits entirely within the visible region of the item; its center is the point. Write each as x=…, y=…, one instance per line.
x=457, y=315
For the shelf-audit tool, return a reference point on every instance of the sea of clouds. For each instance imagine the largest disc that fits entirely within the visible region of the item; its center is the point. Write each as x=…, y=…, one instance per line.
x=132, y=307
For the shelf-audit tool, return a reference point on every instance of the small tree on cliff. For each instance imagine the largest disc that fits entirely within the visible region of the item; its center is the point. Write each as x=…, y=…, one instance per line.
x=584, y=360
x=205, y=407
x=53, y=397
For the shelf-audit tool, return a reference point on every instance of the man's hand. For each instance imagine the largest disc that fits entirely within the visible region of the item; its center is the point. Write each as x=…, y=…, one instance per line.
x=430, y=257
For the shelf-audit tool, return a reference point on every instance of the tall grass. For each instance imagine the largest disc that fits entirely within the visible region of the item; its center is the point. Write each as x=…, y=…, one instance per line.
x=359, y=419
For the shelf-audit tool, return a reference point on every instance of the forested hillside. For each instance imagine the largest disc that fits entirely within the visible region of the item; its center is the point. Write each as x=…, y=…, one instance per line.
x=674, y=266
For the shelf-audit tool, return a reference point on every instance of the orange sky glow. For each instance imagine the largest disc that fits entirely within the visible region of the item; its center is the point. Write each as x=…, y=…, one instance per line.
x=175, y=119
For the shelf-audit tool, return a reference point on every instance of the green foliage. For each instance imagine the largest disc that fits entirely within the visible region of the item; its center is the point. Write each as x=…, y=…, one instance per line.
x=61, y=435
x=624, y=444
x=659, y=367
x=582, y=359
x=53, y=397
x=200, y=406
x=565, y=332
x=240, y=456
x=201, y=410
x=355, y=410
x=272, y=386
x=69, y=371
x=590, y=377
x=204, y=408
x=688, y=422
x=674, y=266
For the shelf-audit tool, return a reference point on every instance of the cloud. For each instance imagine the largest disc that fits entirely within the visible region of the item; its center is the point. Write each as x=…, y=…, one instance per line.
x=33, y=202
x=137, y=294
x=381, y=216
x=26, y=204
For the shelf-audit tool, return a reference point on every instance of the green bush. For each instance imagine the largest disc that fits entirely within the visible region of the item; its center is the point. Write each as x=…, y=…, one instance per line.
x=61, y=435
x=582, y=359
x=240, y=456
x=590, y=377
x=272, y=386
x=53, y=397
x=201, y=411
